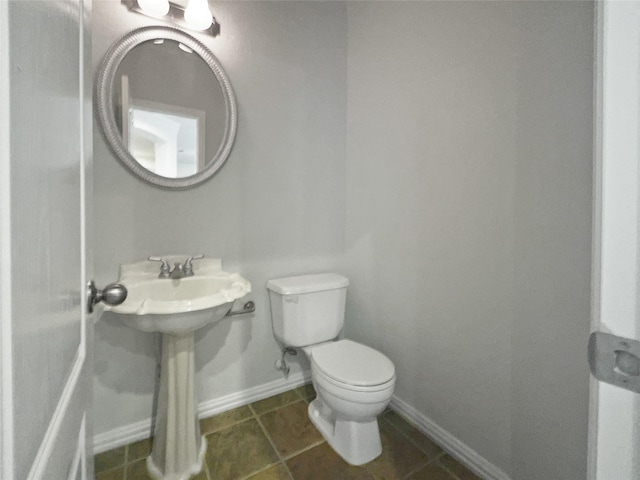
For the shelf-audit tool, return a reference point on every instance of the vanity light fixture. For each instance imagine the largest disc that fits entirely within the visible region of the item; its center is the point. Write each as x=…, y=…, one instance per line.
x=189, y=14
x=197, y=15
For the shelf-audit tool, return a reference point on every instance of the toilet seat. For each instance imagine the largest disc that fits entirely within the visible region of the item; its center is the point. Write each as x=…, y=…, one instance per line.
x=351, y=365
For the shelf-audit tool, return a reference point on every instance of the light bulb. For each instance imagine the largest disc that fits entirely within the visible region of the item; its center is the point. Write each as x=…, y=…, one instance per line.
x=155, y=8
x=197, y=15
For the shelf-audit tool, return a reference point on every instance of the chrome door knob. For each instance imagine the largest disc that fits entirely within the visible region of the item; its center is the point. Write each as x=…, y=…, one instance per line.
x=112, y=294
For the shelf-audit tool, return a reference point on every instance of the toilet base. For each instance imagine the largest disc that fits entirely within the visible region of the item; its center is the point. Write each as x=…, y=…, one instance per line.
x=356, y=442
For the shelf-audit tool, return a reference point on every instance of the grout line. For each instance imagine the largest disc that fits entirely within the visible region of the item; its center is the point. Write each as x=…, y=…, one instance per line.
x=220, y=429
x=308, y=400
x=111, y=469
x=415, y=470
x=453, y=475
x=444, y=467
x=122, y=465
x=205, y=464
x=263, y=469
x=306, y=449
x=299, y=393
x=275, y=408
x=430, y=461
x=448, y=470
x=438, y=457
x=273, y=445
x=125, y=473
x=434, y=459
x=410, y=440
x=206, y=468
x=275, y=449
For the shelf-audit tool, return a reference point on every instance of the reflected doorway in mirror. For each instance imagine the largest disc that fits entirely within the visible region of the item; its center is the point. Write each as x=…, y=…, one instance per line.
x=167, y=140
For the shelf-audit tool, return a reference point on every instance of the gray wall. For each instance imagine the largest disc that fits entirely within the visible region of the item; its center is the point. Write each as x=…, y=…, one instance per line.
x=276, y=208
x=468, y=218
x=431, y=146
x=553, y=240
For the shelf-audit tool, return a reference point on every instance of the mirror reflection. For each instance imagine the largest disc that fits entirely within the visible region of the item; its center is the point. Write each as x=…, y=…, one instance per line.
x=169, y=107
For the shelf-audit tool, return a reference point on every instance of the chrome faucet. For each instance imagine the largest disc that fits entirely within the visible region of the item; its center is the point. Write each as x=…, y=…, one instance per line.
x=180, y=270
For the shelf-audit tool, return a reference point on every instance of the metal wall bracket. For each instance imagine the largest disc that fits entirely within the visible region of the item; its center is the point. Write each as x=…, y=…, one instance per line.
x=248, y=307
x=615, y=360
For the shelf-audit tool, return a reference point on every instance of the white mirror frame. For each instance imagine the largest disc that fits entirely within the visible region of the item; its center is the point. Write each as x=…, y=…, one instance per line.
x=105, y=82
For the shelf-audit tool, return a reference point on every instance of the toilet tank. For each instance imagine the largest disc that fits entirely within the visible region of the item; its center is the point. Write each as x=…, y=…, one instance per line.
x=307, y=309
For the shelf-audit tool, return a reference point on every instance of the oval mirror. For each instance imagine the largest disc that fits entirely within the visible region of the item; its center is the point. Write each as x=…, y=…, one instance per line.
x=166, y=107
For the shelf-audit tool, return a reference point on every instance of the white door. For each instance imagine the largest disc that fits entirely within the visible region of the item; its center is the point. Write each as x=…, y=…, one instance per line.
x=45, y=154
x=614, y=443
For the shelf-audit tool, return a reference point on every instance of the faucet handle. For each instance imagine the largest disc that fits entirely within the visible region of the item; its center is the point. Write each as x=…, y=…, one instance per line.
x=188, y=267
x=165, y=269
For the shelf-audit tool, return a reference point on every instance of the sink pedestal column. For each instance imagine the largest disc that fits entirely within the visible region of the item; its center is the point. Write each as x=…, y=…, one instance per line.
x=178, y=447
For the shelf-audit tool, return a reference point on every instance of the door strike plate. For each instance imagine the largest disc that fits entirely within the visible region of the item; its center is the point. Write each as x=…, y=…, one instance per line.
x=615, y=360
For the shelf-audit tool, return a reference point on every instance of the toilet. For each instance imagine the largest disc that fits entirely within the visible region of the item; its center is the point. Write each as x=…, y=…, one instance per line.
x=353, y=382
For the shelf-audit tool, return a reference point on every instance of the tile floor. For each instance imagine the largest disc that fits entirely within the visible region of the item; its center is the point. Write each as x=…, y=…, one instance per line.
x=273, y=439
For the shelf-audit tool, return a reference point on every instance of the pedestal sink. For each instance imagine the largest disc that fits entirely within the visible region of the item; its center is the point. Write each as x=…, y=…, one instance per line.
x=177, y=308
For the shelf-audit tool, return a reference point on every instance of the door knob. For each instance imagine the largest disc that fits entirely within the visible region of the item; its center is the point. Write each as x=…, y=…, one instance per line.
x=112, y=294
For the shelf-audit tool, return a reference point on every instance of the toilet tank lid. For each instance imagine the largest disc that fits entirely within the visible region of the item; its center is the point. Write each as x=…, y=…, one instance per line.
x=307, y=283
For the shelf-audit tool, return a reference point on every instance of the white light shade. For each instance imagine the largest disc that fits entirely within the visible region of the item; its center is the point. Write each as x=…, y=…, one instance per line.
x=197, y=15
x=156, y=8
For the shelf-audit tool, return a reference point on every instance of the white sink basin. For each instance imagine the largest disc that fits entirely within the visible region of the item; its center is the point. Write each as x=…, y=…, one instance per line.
x=177, y=306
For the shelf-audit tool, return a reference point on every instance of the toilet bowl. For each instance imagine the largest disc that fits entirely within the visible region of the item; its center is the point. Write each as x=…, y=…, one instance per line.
x=353, y=382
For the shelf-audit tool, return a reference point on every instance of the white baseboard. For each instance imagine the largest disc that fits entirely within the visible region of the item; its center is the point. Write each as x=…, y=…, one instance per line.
x=134, y=432
x=238, y=399
x=457, y=449
x=120, y=436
